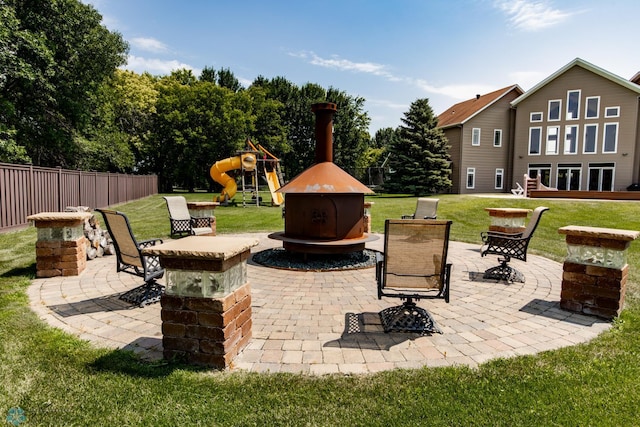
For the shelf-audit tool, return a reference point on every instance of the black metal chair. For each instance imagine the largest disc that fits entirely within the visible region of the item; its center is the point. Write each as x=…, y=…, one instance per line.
x=182, y=223
x=131, y=260
x=414, y=267
x=509, y=246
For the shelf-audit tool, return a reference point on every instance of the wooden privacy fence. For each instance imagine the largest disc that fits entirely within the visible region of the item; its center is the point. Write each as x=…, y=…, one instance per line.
x=27, y=190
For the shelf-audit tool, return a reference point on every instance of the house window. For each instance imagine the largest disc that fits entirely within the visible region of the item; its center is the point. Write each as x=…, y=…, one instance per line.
x=571, y=139
x=475, y=136
x=471, y=178
x=612, y=112
x=593, y=107
x=610, y=138
x=499, y=178
x=535, y=117
x=573, y=104
x=552, y=139
x=535, y=139
x=540, y=170
x=590, y=139
x=554, y=110
x=497, y=137
x=569, y=176
x=601, y=176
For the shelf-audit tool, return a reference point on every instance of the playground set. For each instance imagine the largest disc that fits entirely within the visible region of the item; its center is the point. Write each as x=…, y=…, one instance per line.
x=253, y=162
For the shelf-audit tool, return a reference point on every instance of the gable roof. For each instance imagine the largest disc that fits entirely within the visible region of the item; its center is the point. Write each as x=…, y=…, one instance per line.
x=463, y=111
x=587, y=66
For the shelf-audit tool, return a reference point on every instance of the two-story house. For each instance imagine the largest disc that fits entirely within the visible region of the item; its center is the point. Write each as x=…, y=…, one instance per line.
x=579, y=130
x=480, y=133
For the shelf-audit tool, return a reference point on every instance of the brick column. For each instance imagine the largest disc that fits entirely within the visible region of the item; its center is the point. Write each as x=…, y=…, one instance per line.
x=367, y=217
x=204, y=210
x=595, y=271
x=206, y=310
x=61, y=245
x=507, y=220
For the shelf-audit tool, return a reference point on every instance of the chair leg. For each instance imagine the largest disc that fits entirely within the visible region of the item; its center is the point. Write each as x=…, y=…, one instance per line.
x=146, y=294
x=408, y=317
x=503, y=272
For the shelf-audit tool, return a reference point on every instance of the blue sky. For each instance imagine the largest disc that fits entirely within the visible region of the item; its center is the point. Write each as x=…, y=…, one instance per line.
x=388, y=52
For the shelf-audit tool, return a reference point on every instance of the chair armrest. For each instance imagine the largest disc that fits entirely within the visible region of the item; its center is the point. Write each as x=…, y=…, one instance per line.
x=148, y=243
x=486, y=235
x=430, y=217
x=408, y=217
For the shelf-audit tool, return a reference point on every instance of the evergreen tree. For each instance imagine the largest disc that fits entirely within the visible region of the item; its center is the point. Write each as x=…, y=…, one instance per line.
x=419, y=162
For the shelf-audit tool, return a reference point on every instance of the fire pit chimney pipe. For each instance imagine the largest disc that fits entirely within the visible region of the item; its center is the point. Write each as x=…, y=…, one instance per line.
x=324, y=112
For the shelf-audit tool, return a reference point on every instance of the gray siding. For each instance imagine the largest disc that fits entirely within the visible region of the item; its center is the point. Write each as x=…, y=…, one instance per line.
x=486, y=158
x=590, y=85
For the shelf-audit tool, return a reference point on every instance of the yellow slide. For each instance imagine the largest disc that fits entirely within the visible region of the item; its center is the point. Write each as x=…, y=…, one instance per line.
x=274, y=184
x=219, y=175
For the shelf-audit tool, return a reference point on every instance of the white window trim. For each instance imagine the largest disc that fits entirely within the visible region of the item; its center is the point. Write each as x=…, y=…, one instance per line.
x=604, y=133
x=536, y=112
x=607, y=116
x=539, y=142
x=577, y=117
x=500, y=173
x=471, y=172
x=566, y=142
x=546, y=148
x=475, y=143
x=584, y=140
x=549, y=119
x=586, y=107
x=497, y=131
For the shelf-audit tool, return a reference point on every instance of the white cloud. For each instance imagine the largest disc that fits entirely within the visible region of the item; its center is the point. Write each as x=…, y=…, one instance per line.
x=156, y=66
x=531, y=15
x=337, y=63
x=459, y=92
x=149, y=44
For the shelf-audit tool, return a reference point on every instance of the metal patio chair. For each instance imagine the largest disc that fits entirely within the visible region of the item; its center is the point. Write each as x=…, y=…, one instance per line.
x=426, y=208
x=509, y=246
x=182, y=223
x=414, y=267
x=131, y=260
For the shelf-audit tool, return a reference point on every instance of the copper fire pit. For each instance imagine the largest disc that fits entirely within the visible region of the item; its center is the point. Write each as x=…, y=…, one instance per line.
x=324, y=204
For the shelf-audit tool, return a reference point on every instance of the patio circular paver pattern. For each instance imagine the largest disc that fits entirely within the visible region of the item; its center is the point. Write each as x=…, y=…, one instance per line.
x=327, y=322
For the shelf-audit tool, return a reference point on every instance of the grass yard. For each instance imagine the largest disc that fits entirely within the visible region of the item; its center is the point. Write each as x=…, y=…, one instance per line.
x=57, y=379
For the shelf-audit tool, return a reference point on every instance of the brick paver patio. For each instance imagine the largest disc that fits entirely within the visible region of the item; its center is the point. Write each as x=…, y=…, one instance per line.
x=326, y=322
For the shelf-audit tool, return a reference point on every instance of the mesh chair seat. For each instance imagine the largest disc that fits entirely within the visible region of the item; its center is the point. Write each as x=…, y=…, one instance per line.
x=414, y=267
x=131, y=260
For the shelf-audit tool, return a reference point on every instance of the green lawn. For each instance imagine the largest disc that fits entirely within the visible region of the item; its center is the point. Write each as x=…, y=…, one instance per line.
x=60, y=380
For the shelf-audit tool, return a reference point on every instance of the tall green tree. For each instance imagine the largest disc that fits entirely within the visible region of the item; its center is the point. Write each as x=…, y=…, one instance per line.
x=419, y=161
x=350, y=132
x=62, y=54
x=195, y=125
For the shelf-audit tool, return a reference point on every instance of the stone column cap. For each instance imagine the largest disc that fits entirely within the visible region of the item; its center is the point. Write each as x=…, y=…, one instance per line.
x=600, y=233
x=202, y=205
x=507, y=211
x=60, y=216
x=202, y=247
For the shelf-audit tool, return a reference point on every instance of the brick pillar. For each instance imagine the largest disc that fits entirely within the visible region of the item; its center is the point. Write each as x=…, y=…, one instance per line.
x=61, y=245
x=594, y=277
x=206, y=310
x=205, y=331
x=367, y=217
x=204, y=210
